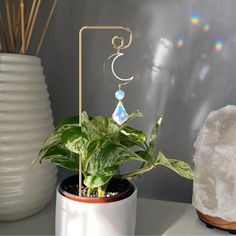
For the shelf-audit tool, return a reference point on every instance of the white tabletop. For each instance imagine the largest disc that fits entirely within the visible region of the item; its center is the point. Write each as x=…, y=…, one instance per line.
x=154, y=217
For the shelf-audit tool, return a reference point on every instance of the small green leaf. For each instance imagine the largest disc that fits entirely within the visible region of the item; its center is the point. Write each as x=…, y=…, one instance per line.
x=96, y=181
x=85, y=117
x=179, y=167
x=153, y=137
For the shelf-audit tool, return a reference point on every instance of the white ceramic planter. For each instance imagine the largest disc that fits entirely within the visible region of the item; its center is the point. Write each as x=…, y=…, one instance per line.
x=74, y=218
x=25, y=121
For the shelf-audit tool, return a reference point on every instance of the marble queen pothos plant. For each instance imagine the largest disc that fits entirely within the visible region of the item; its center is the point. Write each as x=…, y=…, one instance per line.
x=105, y=147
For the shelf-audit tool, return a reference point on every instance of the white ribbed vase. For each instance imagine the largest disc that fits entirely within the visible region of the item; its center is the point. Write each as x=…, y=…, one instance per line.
x=25, y=121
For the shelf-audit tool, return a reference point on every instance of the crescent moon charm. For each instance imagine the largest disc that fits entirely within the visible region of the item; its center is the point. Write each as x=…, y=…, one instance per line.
x=121, y=81
x=119, y=54
x=119, y=115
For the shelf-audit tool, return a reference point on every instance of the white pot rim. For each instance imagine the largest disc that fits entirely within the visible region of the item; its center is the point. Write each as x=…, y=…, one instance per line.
x=97, y=201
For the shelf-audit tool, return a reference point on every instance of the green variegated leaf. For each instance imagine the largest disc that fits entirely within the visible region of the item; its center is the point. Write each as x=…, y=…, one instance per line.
x=74, y=140
x=131, y=137
x=55, y=137
x=134, y=134
x=85, y=117
x=131, y=117
x=104, y=125
x=64, y=162
x=109, y=154
x=61, y=156
x=99, y=127
x=180, y=167
x=153, y=137
x=145, y=156
x=111, y=170
x=93, y=149
x=96, y=181
x=74, y=120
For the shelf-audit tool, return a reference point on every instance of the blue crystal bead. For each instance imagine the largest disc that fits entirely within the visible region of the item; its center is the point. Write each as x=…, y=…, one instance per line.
x=120, y=94
x=120, y=115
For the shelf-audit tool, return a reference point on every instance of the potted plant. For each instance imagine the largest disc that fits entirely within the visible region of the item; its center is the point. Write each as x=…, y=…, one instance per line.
x=108, y=202
x=24, y=102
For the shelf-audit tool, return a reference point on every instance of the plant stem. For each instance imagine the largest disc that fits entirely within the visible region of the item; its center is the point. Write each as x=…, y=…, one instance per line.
x=139, y=171
x=89, y=192
x=101, y=192
x=46, y=27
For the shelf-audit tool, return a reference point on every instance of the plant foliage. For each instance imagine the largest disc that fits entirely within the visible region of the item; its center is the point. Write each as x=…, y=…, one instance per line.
x=104, y=147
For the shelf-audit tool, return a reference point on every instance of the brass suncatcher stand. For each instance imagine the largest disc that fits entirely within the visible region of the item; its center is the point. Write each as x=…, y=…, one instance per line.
x=118, y=47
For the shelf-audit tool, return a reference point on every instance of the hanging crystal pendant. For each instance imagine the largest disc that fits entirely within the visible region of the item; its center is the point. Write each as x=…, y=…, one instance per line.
x=120, y=115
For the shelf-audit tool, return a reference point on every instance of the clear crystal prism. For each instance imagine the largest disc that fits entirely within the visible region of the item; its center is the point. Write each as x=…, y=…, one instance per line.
x=120, y=115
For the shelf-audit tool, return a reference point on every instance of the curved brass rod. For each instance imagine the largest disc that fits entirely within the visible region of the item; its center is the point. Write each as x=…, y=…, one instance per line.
x=80, y=73
x=111, y=28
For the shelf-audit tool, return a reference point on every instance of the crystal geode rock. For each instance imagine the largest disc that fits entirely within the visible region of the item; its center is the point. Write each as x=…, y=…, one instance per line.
x=214, y=189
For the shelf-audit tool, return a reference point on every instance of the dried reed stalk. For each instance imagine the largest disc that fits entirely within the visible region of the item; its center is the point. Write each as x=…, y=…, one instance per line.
x=1, y=49
x=33, y=24
x=9, y=19
x=14, y=14
x=2, y=23
x=26, y=11
x=22, y=26
x=46, y=27
x=17, y=26
x=30, y=18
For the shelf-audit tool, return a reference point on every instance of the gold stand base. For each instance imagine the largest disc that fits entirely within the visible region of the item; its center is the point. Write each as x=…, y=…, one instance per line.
x=218, y=223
